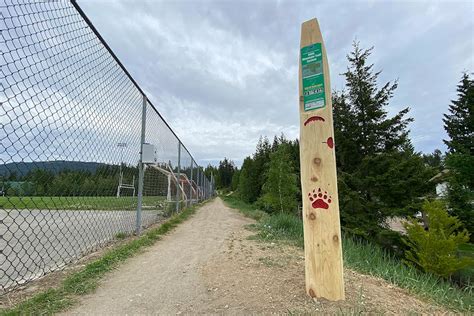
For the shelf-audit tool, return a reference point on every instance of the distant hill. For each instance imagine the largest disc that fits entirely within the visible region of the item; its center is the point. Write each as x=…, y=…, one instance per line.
x=22, y=168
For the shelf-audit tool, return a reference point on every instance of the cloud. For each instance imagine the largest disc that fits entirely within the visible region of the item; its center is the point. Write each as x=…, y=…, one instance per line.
x=223, y=73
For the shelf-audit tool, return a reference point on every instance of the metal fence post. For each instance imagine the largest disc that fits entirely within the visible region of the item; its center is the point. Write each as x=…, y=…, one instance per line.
x=178, y=192
x=198, y=178
x=203, y=183
x=141, y=171
x=191, y=184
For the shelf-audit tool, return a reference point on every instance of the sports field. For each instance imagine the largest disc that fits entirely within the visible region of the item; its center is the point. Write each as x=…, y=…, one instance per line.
x=124, y=203
x=37, y=241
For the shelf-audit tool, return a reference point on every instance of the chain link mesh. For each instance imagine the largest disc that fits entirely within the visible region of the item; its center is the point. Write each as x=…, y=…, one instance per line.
x=70, y=131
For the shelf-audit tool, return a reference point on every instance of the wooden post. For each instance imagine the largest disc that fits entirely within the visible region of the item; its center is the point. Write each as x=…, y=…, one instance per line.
x=322, y=231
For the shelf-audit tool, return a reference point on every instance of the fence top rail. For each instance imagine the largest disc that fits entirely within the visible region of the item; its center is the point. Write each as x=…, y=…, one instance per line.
x=117, y=60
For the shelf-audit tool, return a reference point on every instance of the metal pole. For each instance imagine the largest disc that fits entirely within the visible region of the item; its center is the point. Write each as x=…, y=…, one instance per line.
x=203, y=184
x=178, y=193
x=199, y=183
x=210, y=185
x=191, y=184
x=141, y=171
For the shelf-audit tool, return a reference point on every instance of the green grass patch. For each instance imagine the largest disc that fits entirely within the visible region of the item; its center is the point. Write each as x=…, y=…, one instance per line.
x=367, y=258
x=284, y=227
x=87, y=279
x=247, y=209
x=122, y=203
x=466, y=275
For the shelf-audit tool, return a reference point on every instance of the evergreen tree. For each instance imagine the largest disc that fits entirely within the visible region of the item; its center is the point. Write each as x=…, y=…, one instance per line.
x=379, y=174
x=225, y=171
x=246, y=181
x=235, y=180
x=434, y=160
x=209, y=171
x=281, y=188
x=435, y=250
x=261, y=159
x=360, y=112
x=459, y=125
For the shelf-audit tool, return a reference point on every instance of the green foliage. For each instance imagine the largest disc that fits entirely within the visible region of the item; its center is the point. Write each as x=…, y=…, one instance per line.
x=434, y=160
x=281, y=226
x=280, y=189
x=460, y=188
x=435, y=250
x=261, y=160
x=379, y=173
x=361, y=118
x=249, y=210
x=253, y=183
x=247, y=182
x=365, y=257
x=225, y=173
x=459, y=123
x=103, y=182
x=235, y=180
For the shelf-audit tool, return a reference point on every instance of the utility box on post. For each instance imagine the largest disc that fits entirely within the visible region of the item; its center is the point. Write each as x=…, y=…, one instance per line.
x=149, y=153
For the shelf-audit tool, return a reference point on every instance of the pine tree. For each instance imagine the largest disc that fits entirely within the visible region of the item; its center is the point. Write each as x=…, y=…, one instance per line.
x=247, y=182
x=225, y=171
x=434, y=160
x=360, y=112
x=379, y=174
x=261, y=159
x=459, y=123
x=235, y=180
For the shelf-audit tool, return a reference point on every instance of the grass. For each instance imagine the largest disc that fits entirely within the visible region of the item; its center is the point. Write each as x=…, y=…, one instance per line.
x=466, y=275
x=87, y=279
x=365, y=257
x=122, y=203
x=247, y=209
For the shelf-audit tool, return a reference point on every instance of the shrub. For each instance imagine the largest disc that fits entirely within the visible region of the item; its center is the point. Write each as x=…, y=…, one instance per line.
x=435, y=250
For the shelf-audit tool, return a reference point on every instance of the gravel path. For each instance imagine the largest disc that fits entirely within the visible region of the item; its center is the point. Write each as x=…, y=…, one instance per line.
x=208, y=265
x=166, y=279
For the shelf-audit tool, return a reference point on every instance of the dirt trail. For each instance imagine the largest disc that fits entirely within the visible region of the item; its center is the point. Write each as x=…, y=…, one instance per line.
x=208, y=265
x=166, y=279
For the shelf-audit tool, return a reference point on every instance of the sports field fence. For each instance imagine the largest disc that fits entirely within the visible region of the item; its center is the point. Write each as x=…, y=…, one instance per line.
x=85, y=157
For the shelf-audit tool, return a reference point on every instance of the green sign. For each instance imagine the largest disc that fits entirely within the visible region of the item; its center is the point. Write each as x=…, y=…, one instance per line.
x=313, y=77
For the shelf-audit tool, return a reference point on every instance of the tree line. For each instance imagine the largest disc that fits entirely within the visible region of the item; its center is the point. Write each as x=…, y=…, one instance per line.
x=43, y=182
x=380, y=175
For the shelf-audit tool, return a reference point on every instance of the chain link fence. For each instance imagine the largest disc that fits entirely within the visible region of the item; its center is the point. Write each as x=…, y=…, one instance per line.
x=85, y=157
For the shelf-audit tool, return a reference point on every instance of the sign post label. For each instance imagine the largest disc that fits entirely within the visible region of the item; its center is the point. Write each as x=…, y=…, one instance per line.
x=313, y=77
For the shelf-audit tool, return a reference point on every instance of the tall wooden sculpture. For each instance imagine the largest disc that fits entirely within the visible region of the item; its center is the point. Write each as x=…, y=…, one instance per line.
x=322, y=231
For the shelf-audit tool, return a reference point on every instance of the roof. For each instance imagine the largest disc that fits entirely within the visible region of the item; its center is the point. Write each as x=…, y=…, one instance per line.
x=440, y=177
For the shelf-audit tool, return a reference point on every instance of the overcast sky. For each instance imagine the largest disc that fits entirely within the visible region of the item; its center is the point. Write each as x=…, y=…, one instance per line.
x=223, y=73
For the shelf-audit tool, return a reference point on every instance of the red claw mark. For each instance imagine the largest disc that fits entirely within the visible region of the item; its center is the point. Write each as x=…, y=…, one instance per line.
x=330, y=142
x=320, y=199
x=314, y=118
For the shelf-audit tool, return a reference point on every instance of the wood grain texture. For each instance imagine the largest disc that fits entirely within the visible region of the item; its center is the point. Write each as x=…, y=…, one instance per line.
x=322, y=231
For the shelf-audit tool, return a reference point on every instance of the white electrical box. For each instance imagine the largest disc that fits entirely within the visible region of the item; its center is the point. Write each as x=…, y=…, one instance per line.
x=149, y=153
